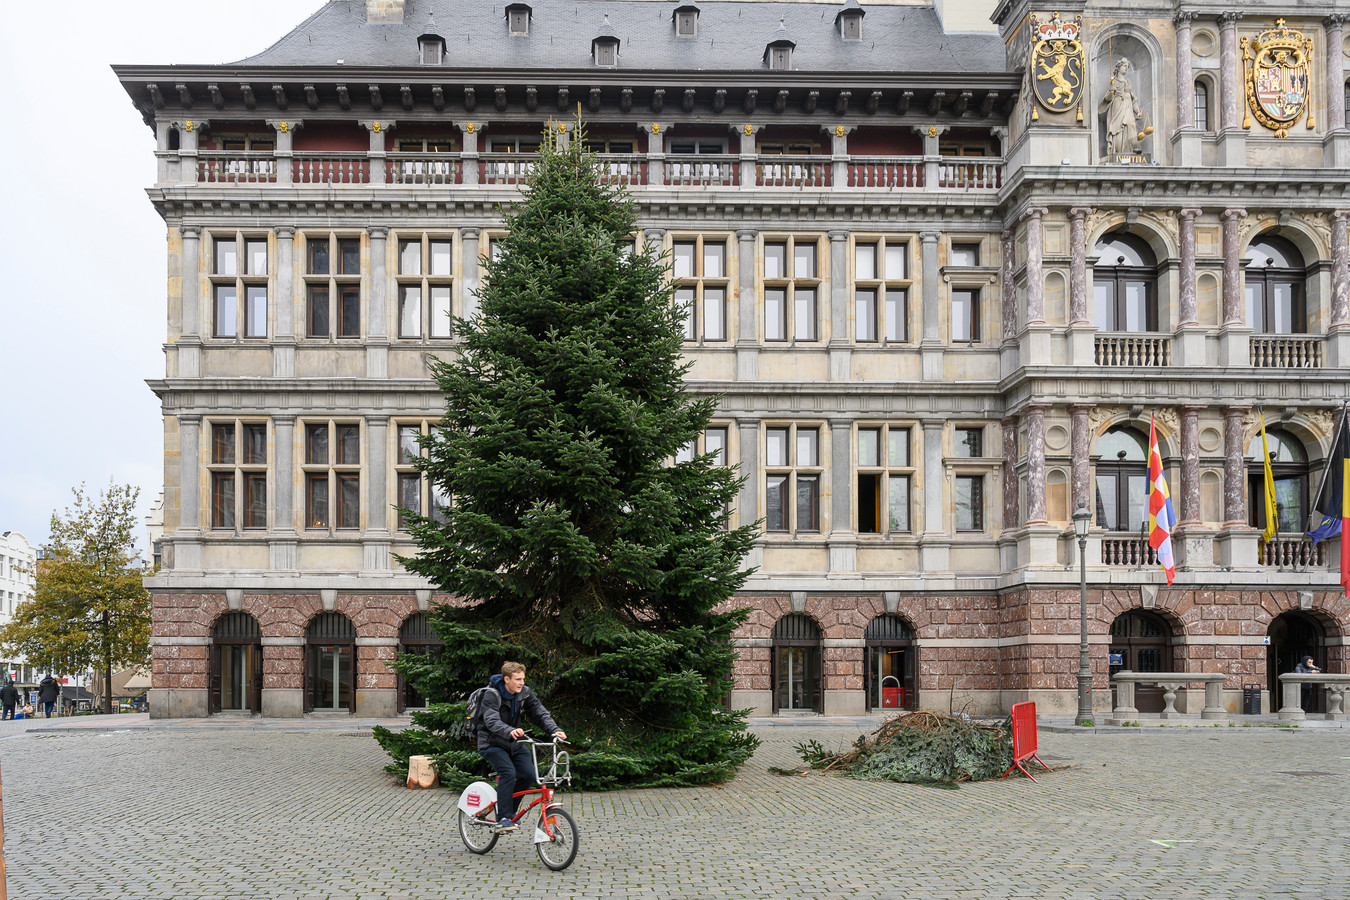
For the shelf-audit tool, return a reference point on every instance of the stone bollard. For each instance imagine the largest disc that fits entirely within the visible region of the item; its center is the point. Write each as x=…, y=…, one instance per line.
x=421, y=774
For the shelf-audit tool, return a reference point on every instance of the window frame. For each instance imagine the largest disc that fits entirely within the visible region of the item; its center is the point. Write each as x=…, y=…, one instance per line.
x=794, y=473
x=424, y=281
x=1269, y=277
x=683, y=18
x=605, y=52
x=976, y=334
x=340, y=289
x=977, y=480
x=1120, y=277
x=428, y=500
x=696, y=332
x=333, y=472
x=243, y=282
x=239, y=471
x=779, y=58
x=790, y=283
x=1298, y=471
x=882, y=285
x=1200, y=105
x=885, y=471
x=1122, y=470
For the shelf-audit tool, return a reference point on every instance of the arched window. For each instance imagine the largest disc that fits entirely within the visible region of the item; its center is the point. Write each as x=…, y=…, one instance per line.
x=1274, y=281
x=1125, y=284
x=236, y=664
x=415, y=636
x=1202, y=105
x=796, y=663
x=330, y=679
x=1140, y=642
x=1122, y=480
x=890, y=664
x=1289, y=465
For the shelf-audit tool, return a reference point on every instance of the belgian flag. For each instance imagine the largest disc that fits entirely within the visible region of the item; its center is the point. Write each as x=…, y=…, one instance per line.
x=1331, y=512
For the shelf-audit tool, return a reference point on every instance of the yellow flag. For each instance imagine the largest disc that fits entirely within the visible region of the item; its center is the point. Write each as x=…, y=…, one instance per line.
x=1269, y=533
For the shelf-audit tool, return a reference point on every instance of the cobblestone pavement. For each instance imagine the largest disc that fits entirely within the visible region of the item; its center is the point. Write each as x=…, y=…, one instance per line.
x=308, y=814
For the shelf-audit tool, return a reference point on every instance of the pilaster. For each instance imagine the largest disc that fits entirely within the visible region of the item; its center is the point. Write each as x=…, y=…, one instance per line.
x=747, y=332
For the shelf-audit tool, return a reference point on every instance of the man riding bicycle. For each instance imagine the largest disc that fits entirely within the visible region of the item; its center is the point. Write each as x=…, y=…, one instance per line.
x=497, y=739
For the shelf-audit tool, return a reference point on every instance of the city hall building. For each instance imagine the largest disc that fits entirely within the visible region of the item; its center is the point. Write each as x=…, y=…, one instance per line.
x=944, y=262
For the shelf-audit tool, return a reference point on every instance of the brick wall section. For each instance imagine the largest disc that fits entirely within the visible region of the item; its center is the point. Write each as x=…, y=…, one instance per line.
x=1196, y=616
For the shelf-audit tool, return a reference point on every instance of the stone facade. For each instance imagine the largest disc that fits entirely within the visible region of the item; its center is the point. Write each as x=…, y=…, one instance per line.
x=980, y=310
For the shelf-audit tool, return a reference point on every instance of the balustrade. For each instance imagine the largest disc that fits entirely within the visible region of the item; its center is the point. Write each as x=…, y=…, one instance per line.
x=506, y=168
x=793, y=171
x=624, y=168
x=1292, y=553
x=970, y=175
x=240, y=167
x=1290, y=352
x=1291, y=709
x=1127, y=549
x=885, y=172
x=424, y=168
x=686, y=170
x=1170, y=682
x=1133, y=350
x=331, y=168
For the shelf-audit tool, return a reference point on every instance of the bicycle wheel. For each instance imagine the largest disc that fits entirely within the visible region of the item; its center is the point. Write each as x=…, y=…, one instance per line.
x=476, y=833
x=558, y=853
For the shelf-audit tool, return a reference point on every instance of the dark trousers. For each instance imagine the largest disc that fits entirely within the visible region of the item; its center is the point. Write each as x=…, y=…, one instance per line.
x=49, y=704
x=9, y=710
x=515, y=771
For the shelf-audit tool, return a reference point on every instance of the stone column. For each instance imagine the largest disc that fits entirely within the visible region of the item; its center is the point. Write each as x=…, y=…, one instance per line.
x=843, y=545
x=1234, y=467
x=1009, y=428
x=1186, y=312
x=1078, y=314
x=468, y=153
x=377, y=495
x=283, y=302
x=1337, y=342
x=841, y=341
x=1008, y=277
x=934, y=476
x=1035, y=414
x=191, y=280
x=749, y=159
x=1232, y=267
x=931, y=156
x=1080, y=467
x=656, y=150
x=1185, y=83
x=931, y=347
x=377, y=326
x=838, y=152
x=283, y=154
x=189, y=474
x=1335, y=66
x=376, y=155
x=749, y=499
x=468, y=256
x=283, y=487
x=1189, y=514
x=1232, y=139
x=188, y=132
x=747, y=330
x=1035, y=273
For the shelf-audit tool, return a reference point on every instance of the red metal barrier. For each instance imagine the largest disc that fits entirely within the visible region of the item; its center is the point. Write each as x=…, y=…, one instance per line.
x=1024, y=738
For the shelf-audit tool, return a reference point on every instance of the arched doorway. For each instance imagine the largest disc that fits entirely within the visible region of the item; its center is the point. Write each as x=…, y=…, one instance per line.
x=330, y=672
x=891, y=663
x=1142, y=641
x=236, y=664
x=796, y=664
x=416, y=637
x=1293, y=634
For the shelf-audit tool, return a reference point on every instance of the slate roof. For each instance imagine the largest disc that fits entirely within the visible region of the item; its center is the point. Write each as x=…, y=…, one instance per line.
x=732, y=36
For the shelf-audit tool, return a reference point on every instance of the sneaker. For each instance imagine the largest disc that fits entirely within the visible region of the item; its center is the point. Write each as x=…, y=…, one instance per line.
x=503, y=826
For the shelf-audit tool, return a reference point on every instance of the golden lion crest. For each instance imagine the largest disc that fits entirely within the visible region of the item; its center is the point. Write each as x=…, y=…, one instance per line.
x=1057, y=63
x=1278, y=76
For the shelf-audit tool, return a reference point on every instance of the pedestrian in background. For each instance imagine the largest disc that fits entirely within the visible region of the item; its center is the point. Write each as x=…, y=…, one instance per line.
x=9, y=697
x=48, y=691
x=1306, y=666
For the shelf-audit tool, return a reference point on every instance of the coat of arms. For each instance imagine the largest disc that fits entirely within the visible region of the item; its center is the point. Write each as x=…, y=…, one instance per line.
x=1279, y=72
x=1057, y=64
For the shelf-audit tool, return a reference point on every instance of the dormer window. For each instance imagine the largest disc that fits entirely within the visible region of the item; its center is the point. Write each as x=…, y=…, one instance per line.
x=778, y=53
x=518, y=18
x=849, y=21
x=686, y=21
x=430, y=45
x=605, y=46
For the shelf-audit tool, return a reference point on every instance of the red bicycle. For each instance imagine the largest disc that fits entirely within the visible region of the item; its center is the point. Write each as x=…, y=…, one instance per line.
x=555, y=834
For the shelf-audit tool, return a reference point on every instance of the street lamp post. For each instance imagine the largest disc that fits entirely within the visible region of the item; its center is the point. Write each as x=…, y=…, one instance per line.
x=1082, y=520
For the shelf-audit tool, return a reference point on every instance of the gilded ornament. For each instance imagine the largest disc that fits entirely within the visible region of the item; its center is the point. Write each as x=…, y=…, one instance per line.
x=470, y=127
x=1057, y=62
x=1278, y=77
x=284, y=127
x=839, y=131
x=187, y=126
x=376, y=128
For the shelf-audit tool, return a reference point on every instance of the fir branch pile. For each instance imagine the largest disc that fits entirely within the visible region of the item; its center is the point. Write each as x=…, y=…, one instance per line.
x=918, y=747
x=575, y=545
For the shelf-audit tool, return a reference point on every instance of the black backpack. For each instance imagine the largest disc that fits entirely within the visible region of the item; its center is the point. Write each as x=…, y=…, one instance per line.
x=474, y=711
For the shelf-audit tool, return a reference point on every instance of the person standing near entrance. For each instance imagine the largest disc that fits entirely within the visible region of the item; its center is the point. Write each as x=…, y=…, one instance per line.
x=9, y=697
x=48, y=692
x=1306, y=666
x=497, y=738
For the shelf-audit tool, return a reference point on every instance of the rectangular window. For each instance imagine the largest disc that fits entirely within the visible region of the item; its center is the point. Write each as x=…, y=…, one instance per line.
x=231, y=283
x=316, y=445
x=257, y=256
x=333, y=298
x=792, y=493
x=238, y=462
x=880, y=290
x=969, y=502
x=965, y=316
x=316, y=500
x=318, y=312
x=791, y=284
x=349, y=493
x=969, y=443
x=222, y=499
x=332, y=475
x=698, y=267
x=775, y=314
x=318, y=257
x=409, y=497
x=865, y=315
x=685, y=24
x=255, y=445
x=410, y=311
x=349, y=250
x=965, y=255
x=416, y=493
x=348, y=445
x=222, y=444
x=518, y=21
x=883, y=479
x=227, y=309
x=255, y=500
x=227, y=257
x=349, y=312
x=425, y=282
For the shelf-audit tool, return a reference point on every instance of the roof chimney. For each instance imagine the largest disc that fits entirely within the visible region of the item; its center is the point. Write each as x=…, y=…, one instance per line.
x=384, y=12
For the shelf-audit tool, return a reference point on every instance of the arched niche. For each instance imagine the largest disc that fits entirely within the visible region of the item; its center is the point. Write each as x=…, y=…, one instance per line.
x=1139, y=50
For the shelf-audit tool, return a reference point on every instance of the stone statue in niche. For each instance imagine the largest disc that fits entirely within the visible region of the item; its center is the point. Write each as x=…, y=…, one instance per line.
x=1124, y=116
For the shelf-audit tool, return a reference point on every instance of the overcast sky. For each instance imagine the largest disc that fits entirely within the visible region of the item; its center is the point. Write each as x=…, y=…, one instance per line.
x=81, y=249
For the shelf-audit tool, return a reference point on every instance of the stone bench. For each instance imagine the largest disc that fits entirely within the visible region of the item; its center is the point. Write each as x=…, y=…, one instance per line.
x=1170, y=682
x=1291, y=710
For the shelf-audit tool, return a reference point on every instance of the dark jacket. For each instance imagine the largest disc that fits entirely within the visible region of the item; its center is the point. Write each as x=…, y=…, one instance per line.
x=48, y=690
x=9, y=695
x=1305, y=669
x=502, y=712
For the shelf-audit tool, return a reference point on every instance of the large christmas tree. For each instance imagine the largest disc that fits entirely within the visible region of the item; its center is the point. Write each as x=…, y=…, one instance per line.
x=576, y=544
